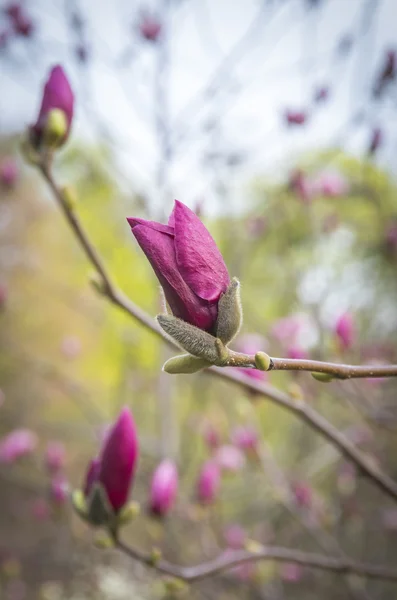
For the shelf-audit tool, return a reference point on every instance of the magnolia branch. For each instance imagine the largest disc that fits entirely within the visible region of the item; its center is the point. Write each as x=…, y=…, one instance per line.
x=342, y=566
x=300, y=409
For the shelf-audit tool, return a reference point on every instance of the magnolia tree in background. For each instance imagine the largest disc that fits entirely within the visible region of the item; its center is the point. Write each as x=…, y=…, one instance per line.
x=269, y=530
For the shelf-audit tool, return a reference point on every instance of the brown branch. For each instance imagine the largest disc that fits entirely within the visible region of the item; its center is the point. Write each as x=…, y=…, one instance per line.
x=342, y=566
x=339, y=371
x=299, y=408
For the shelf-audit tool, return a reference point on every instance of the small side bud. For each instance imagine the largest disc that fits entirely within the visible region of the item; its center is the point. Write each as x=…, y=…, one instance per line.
x=197, y=342
x=99, y=510
x=323, y=377
x=262, y=361
x=79, y=504
x=70, y=197
x=185, y=363
x=230, y=313
x=155, y=556
x=128, y=513
x=55, y=129
x=103, y=541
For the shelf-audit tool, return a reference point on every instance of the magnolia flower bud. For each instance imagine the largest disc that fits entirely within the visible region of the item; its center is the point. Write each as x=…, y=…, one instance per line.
x=164, y=488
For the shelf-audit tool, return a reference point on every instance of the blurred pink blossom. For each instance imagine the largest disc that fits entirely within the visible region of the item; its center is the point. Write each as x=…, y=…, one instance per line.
x=55, y=456
x=345, y=331
x=211, y=436
x=302, y=493
x=40, y=509
x=235, y=536
x=208, y=483
x=164, y=488
x=229, y=458
x=16, y=444
x=8, y=172
x=295, y=117
x=150, y=28
x=331, y=185
x=59, y=489
x=297, y=352
x=245, y=438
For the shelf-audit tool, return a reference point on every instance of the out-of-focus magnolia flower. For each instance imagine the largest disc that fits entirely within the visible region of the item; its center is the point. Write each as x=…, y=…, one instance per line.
x=375, y=141
x=57, y=96
x=164, y=488
x=321, y=94
x=345, y=330
x=387, y=72
x=297, y=330
x=235, y=536
x=295, y=117
x=59, y=489
x=245, y=438
x=303, y=494
x=251, y=343
x=297, y=352
x=331, y=185
x=187, y=263
x=8, y=172
x=211, y=436
x=229, y=458
x=16, y=444
x=150, y=28
x=301, y=185
x=40, y=509
x=208, y=483
x=55, y=456
x=71, y=346
x=20, y=21
x=291, y=572
x=116, y=465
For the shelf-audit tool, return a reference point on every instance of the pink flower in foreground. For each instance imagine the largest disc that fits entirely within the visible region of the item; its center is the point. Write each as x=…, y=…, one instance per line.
x=344, y=329
x=57, y=94
x=18, y=443
x=229, y=458
x=295, y=117
x=8, y=172
x=164, y=488
x=208, y=483
x=115, y=468
x=55, y=455
x=187, y=263
x=150, y=28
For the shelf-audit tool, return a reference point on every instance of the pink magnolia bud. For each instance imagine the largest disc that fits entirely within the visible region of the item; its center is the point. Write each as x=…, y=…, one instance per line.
x=164, y=488
x=245, y=438
x=40, y=510
x=302, y=493
x=117, y=461
x=150, y=28
x=57, y=95
x=187, y=263
x=375, y=141
x=208, y=483
x=55, y=456
x=18, y=443
x=8, y=172
x=344, y=329
x=295, y=117
x=229, y=458
x=59, y=489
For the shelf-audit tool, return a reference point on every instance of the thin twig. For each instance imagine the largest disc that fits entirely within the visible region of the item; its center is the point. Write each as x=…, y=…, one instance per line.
x=299, y=408
x=342, y=566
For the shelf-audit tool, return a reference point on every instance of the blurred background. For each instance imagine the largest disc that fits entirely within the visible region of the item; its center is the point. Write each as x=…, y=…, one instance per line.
x=276, y=121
